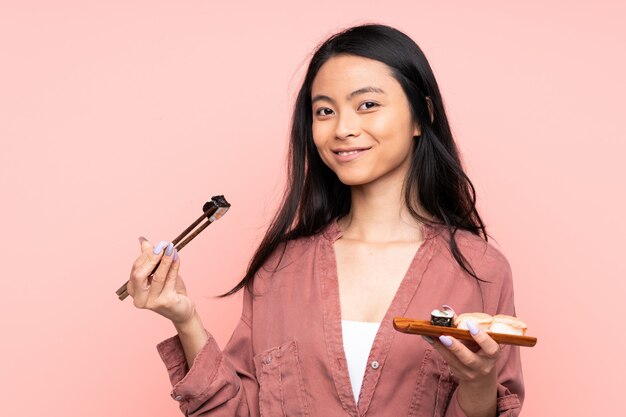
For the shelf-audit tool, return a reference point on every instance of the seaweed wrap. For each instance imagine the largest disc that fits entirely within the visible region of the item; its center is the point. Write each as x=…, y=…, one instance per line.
x=442, y=317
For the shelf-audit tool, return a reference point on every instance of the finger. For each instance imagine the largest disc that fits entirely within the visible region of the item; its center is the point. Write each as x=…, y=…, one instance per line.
x=146, y=248
x=159, y=276
x=471, y=345
x=450, y=358
x=145, y=263
x=172, y=275
x=144, y=244
x=454, y=351
x=139, y=276
x=490, y=348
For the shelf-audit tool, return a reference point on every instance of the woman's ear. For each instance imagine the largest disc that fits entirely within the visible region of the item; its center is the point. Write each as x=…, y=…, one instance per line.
x=417, y=131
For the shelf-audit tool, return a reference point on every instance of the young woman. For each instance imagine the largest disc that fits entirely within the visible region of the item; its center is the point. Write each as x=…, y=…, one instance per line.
x=378, y=221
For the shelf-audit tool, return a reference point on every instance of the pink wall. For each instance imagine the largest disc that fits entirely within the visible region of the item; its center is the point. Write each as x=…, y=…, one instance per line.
x=119, y=118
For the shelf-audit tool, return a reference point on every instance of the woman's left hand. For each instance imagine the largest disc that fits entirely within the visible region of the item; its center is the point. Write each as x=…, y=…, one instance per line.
x=474, y=368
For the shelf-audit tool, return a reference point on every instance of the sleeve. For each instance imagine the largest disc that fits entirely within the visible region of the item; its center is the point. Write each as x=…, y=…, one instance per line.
x=509, y=366
x=220, y=382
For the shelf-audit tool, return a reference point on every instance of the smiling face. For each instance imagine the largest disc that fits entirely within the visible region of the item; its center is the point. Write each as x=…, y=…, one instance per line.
x=362, y=122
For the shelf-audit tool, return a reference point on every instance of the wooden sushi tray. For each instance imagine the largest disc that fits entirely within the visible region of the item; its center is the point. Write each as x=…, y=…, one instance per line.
x=424, y=328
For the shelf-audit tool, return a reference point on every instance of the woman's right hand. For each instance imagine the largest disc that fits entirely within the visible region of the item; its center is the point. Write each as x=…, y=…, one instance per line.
x=164, y=292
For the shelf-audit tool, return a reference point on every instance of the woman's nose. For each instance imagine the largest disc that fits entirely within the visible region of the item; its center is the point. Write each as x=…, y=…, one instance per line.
x=348, y=124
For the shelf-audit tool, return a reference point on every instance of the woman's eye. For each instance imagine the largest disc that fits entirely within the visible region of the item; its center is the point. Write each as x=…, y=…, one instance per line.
x=320, y=112
x=371, y=104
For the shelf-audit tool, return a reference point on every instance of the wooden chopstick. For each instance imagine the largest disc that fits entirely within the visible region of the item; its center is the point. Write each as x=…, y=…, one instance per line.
x=206, y=215
x=212, y=210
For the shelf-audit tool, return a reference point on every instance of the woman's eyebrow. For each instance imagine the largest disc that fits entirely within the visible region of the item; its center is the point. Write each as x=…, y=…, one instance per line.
x=362, y=90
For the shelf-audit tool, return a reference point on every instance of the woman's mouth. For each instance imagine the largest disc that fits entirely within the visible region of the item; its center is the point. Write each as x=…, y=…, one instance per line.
x=349, y=154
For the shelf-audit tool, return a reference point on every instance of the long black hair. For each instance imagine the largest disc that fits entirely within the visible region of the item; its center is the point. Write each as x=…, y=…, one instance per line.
x=436, y=180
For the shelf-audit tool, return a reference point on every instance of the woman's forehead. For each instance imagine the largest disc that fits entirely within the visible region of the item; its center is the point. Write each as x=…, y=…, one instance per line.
x=345, y=75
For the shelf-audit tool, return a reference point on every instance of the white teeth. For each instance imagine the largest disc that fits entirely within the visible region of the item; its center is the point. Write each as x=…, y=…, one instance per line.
x=347, y=153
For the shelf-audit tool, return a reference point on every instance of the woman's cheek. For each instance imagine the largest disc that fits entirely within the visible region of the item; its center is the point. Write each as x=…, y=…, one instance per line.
x=320, y=132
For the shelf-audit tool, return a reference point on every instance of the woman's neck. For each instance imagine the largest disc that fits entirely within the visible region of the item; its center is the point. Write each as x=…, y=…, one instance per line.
x=379, y=214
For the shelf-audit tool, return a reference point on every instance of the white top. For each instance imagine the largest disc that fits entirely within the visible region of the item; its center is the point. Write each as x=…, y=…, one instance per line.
x=358, y=337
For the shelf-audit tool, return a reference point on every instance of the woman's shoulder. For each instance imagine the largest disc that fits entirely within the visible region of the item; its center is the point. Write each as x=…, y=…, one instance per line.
x=485, y=257
x=296, y=250
x=294, y=257
x=479, y=247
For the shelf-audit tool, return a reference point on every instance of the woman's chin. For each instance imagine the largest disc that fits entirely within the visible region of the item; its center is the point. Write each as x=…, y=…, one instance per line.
x=354, y=180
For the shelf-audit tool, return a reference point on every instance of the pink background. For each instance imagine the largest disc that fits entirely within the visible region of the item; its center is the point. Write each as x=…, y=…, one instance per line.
x=120, y=118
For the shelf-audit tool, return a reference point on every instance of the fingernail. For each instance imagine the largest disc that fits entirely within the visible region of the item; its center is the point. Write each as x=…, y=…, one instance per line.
x=158, y=248
x=169, y=249
x=175, y=257
x=472, y=327
x=428, y=339
x=445, y=340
